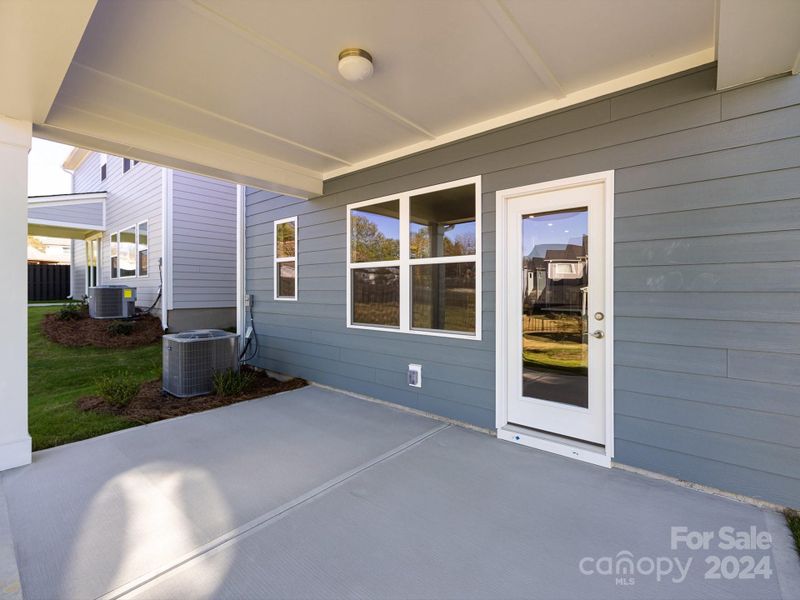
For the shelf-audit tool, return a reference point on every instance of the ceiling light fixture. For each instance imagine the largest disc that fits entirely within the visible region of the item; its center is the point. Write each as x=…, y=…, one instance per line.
x=355, y=64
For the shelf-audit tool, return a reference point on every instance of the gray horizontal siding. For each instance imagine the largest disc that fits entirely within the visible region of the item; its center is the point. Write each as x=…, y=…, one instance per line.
x=203, y=242
x=90, y=213
x=707, y=275
x=132, y=197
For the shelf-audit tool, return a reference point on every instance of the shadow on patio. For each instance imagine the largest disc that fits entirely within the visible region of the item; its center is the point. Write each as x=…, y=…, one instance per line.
x=313, y=493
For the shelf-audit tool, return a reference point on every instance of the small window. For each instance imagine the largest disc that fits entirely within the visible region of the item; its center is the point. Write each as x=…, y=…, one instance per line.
x=126, y=165
x=127, y=252
x=103, y=166
x=414, y=261
x=285, y=271
x=114, y=254
x=141, y=245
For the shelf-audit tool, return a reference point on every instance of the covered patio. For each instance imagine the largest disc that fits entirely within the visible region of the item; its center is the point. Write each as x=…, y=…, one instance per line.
x=315, y=493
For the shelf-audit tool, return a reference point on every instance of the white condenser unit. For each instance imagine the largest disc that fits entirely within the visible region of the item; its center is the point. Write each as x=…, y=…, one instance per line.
x=112, y=302
x=191, y=358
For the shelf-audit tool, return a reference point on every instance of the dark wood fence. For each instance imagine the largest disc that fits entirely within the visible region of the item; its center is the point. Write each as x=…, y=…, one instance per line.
x=48, y=282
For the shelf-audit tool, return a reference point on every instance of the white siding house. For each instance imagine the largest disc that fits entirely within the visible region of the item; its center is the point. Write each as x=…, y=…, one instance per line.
x=164, y=230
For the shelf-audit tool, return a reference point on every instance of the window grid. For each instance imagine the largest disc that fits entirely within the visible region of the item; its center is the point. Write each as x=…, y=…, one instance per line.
x=406, y=263
x=138, y=246
x=280, y=260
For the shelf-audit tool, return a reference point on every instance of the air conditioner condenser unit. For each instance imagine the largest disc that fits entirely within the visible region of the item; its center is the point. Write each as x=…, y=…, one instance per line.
x=112, y=302
x=191, y=358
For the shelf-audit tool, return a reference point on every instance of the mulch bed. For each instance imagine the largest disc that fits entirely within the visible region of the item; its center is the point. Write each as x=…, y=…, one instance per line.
x=151, y=404
x=94, y=332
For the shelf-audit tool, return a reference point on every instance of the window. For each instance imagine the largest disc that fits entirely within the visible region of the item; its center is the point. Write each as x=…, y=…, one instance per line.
x=103, y=166
x=126, y=165
x=92, y=248
x=141, y=245
x=414, y=261
x=127, y=252
x=114, y=257
x=285, y=270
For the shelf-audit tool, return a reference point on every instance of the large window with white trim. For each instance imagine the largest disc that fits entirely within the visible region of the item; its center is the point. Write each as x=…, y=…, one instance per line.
x=414, y=259
x=129, y=251
x=285, y=268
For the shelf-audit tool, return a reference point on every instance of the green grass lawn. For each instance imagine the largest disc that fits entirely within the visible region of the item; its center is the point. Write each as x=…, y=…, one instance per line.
x=58, y=376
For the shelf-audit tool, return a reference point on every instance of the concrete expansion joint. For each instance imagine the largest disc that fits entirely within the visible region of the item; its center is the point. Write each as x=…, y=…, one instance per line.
x=261, y=522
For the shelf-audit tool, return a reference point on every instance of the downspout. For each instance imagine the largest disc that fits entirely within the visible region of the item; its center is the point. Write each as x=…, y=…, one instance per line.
x=241, y=275
x=166, y=245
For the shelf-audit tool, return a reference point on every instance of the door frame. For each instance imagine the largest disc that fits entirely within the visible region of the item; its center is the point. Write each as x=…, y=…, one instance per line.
x=543, y=441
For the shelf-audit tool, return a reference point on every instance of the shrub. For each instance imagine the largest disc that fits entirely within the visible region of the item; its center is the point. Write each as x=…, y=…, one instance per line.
x=70, y=311
x=232, y=383
x=119, y=389
x=117, y=328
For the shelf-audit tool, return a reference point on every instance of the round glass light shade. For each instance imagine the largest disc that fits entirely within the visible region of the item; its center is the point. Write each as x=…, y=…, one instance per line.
x=355, y=64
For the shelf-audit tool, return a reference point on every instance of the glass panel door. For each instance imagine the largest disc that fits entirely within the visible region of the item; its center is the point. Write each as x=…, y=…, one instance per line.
x=555, y=285
x=555, y=307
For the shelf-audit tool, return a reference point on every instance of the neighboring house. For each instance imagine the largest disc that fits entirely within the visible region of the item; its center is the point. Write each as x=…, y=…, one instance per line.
x=683, y=358
x=151, y=228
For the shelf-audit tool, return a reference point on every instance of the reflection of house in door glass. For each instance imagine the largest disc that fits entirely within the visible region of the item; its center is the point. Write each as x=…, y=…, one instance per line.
x=554, y=301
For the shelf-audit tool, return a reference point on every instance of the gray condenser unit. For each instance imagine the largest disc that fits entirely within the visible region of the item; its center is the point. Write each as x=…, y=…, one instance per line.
x=191, y=358
x=112, y=302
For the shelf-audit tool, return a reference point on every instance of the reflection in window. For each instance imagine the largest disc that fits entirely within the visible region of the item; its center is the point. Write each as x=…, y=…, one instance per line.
x=127, y=252
x=285, y=268
x=375, y=232
x=286, y=279
x=285, y=237
x=443, y=297
x=442, y=223
x=142, y=249
x=114, y=257
x=376, y=296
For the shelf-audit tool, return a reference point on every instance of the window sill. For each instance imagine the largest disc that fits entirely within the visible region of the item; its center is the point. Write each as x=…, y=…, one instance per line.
x=441, y=334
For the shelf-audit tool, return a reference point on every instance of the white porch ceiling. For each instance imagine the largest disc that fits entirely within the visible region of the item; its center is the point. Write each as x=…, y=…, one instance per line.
x=248, y=89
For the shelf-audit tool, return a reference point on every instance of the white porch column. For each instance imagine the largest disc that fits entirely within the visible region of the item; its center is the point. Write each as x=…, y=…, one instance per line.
x=15, y=443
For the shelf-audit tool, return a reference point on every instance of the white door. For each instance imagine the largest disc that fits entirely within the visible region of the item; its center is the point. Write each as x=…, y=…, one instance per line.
x=556, y=309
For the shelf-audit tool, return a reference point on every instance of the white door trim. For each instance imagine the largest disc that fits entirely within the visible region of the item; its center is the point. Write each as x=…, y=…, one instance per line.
x=544, y=442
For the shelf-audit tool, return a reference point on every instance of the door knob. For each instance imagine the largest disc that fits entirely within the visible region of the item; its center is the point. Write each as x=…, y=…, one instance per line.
x=598, y=334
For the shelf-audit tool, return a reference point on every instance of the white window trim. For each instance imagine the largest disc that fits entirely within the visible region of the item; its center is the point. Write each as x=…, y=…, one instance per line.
x=546, y=442
x=111, y=243
x=405, y=263
x=136, y=274
x=146, y=223
x=99, y=266
x=277, y=261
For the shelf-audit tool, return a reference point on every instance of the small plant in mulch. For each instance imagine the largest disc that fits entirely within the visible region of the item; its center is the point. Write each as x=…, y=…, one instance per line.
x=117, y=328
x=71, y=310
x=118, y=390
x=793, y=521
x=150, y=403
x=233, y=383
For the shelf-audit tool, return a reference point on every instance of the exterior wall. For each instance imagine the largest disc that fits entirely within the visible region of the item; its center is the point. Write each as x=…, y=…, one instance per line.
x=203, y=242
x=132, y=197
x=183, y=319
x=85, y=214
x=707, y=276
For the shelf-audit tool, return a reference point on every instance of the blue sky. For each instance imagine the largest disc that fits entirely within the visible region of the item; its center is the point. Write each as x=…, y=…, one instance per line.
x=553, y=229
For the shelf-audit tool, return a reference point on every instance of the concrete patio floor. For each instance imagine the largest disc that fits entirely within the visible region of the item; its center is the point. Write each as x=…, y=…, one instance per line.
x=317, y=494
